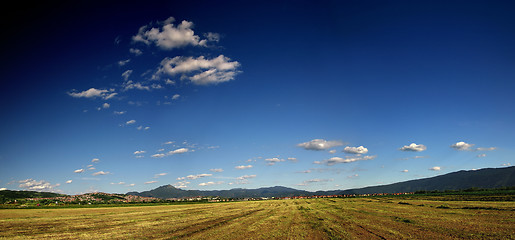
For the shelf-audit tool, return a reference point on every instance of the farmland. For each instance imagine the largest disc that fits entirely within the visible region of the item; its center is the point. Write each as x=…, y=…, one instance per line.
x=331, y=218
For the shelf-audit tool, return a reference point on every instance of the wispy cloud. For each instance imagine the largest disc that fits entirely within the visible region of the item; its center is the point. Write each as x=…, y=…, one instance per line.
x=139, y=152
x=160, y=175
x=79, y=170
x=192, y=177
x=94, y=160
x=273, y=161
x=216, y=170
x=150, y=182
x=100, y=173
x=436, y=168
x=243, y=167
x=319, y=144
x=210, y=183
x=336, y=160
x=316, y=180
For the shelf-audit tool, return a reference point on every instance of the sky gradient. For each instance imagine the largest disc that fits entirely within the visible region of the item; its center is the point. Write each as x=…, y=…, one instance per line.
x=119, y=97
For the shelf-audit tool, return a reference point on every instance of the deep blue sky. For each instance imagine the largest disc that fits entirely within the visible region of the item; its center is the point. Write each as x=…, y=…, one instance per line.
x=292, y=89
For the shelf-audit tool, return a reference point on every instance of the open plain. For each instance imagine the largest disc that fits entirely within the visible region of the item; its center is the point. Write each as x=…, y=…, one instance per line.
x=336, y=218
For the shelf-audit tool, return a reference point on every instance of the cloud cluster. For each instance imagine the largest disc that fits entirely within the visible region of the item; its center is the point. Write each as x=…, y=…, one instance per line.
x=319, y=144
x=355, y=150
x=413, y=148
x=463, y=146
x=200, y=70
x=336, y=160
x=33, y=185
x=272, y=161
x=173, y=152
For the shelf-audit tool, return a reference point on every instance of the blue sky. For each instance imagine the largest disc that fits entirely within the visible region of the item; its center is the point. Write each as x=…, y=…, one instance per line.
x=119, y=97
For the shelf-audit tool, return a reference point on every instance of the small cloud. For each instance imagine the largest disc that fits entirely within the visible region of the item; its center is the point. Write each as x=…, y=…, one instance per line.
x=353, y=176
x=243, y=167
x=481, y=155
x=158, y=155
x=486, y=149
x=178, y=151
x=435, y=168
x=69, y=181
x=79, y=170
x=150, y=182
x=506, y=164
x=216, y=170
x=123, y=62
x=355, y=150
x=210, y=183
x=319, y=144
x=130, y=122
x=405, y=171
x=306, y=171
x=292, y=159
x=176, y=96
x=192, y=177
x=316, y=180
x=139, y=152
x=169, y=142
x=245, y=177
x=93, y=93
x=100, y=173
x=106, y=105
x=119, y=112
x=332, y=151
x=135, y=51
x=462, y=146
x=335, y=160
x=91, y=168
x=119, y=183
x=94, y=160
x=272, y=161
x=126, y=75
x=131, y=185
x=169, y=82
x=160, y=175
x=413, y=148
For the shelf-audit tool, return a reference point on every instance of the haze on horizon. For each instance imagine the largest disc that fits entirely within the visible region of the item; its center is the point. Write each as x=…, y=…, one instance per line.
x=120, y=97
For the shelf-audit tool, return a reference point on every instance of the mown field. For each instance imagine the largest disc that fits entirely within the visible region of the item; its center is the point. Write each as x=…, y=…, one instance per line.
x=351, y=218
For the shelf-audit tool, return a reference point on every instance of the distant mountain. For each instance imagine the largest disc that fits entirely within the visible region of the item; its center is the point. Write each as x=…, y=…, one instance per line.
x=169, y=191
x=483, y=178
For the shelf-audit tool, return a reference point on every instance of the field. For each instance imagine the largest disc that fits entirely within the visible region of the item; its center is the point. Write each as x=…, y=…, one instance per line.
x=336, y=218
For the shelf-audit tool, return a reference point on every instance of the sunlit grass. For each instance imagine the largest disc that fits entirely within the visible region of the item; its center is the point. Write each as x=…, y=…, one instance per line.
x=365, y=218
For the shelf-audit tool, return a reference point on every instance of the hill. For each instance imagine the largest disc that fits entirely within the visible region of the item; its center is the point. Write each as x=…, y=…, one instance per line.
x=483, y=178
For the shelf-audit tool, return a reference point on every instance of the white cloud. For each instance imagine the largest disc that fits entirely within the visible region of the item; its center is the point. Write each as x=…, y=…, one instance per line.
x=130, y=122
x=200, y=71
x=169, y=142
x=169, y=36
x=119, y=112
x=355, y=150
x=306, y=171
x=405, y=170
x=160, y=175
x=169, y=82
x=126, y=74
x=176, y=96
x=106, y=105
x=192, y=177
x=210, y=183
x=353, y=176
x=150, y=182
x=244, y=177
x=316, y=180
x=332, y=151
x=69, y=181
x=134, y=85
x=272, y=161
x=158, y=155
x=436, y=168
x=462, y=146
x=243, y=167
x=413, y=148
x=292, y=159
x=93, y=93
x=481, y=155
x=506, y=164
x=131, y=185
x=319, y=144
x=216, y=170
x=182, y=184
x=213, y=37
x=335, y=160
x=135, y=51
x=95, y=160
x=486, y=149
x=178, y=151
x=100, y=173
x=123, y=62
x=33, y=185
x=139, y=152
x=79, y=170
x=119, y=183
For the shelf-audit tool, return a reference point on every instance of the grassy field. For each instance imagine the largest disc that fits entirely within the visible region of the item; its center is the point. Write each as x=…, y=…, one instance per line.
x=351, y=218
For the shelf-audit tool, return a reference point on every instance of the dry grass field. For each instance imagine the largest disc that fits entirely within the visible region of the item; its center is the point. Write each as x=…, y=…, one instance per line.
x=352, y=218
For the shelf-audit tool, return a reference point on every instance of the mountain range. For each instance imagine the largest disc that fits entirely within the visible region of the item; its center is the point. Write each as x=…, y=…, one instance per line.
x=465, y=179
